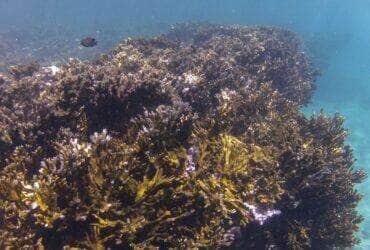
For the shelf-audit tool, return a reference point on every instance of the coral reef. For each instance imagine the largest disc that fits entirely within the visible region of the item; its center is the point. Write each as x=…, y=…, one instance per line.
x=191, y=139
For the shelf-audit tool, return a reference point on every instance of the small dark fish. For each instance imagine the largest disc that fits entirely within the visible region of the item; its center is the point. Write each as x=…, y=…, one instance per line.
x=89, y=42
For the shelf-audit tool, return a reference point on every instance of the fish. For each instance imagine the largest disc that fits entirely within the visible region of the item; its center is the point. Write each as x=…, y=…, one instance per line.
x=89, y=42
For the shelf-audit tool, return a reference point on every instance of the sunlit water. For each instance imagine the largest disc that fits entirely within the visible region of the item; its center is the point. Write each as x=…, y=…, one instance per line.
x=336, y=32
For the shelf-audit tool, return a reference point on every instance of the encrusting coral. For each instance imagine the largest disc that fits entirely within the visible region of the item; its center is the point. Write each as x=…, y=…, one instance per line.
x=191, y=139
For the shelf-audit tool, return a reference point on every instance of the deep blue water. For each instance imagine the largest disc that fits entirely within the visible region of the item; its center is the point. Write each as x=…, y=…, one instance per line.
x=336, y=32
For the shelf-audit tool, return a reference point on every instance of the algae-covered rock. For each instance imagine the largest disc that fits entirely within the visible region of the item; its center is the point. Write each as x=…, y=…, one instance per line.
x=191, y=139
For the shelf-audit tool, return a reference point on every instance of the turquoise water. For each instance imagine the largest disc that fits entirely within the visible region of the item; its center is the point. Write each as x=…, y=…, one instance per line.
x=336, y=33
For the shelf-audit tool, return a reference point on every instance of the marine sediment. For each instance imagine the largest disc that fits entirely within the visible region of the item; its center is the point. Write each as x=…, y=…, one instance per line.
x=191, y=139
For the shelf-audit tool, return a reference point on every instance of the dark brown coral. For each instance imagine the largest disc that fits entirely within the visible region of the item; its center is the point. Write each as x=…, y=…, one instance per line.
x=191, y=139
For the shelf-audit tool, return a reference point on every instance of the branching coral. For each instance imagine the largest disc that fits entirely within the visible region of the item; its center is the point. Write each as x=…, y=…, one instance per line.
x=191, y=139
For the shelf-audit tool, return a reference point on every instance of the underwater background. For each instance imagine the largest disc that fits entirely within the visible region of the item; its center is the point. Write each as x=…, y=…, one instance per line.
x=336, y=34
